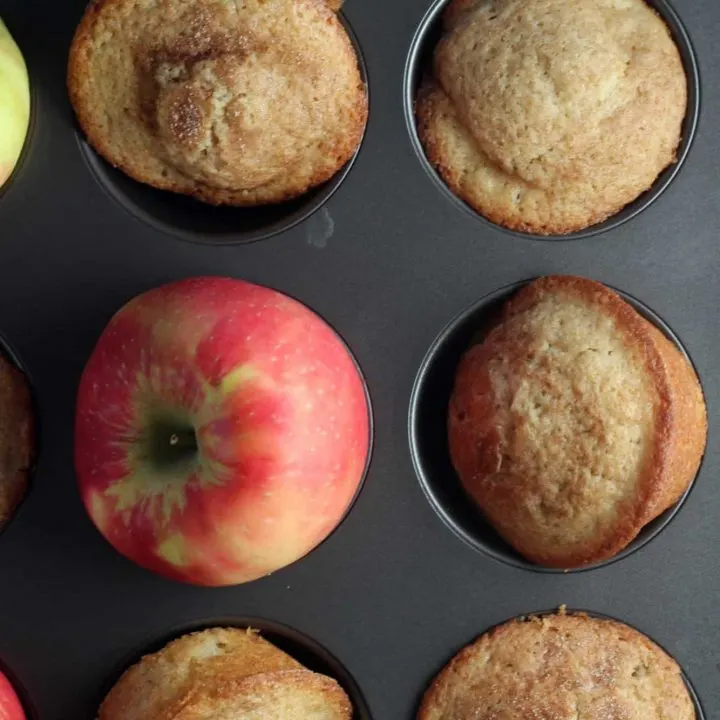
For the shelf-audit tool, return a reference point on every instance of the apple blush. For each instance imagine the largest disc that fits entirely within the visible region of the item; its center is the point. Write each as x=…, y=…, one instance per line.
x=222, y=431
x=10, y=705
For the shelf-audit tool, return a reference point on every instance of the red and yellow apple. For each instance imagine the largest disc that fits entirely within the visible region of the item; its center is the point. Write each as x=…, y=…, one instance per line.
x=14, y=103
x=222, y=431
x=10, y=705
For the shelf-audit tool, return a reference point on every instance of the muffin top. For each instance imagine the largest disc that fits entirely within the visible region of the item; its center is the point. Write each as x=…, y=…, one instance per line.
x=548, y=116
x=574, y=423
x=219, y=674
x=234, y=103
x=17, y=445
x=560, y=667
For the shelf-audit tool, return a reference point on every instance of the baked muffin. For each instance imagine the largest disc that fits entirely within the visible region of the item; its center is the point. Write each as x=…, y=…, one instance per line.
x=574, y=423
x=17, y=444
x=548, y=116
x=564, y=667
x=223, y=673
x=233, y=103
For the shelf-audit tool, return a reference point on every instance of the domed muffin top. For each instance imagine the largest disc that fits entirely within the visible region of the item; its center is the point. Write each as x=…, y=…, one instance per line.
x=564, y=667
x=575, y=422
x=551, y=115
x=234, y=103
x=223, y=673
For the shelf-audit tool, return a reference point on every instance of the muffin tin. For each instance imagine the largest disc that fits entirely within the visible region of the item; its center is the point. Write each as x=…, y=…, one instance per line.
x=388, y=261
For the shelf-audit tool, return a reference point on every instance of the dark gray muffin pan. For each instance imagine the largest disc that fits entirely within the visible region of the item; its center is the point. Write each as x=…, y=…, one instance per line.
x=389, y=258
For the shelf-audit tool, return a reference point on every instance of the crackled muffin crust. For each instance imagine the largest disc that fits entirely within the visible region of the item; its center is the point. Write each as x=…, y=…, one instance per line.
x=560, y=667
x=239, y=103
x=17, y=439
x=574, y=423
x=549, y=116
x=223, y=674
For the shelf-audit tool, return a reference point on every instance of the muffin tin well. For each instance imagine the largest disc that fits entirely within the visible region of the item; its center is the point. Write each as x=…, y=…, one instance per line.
x=419, y=61
x=385, y=602
x=428, y=434
x=192, y=220
x=303, y=648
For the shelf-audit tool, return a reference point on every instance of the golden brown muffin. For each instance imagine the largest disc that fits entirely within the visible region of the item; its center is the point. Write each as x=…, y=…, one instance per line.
x=560, y=667
x=284, y=695
x=548, y=116
x=233, y=103
x=575, y=423
x=219, y=673
x=17, y=444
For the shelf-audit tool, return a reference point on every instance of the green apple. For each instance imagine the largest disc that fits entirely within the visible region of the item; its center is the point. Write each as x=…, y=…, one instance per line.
x=14, y=103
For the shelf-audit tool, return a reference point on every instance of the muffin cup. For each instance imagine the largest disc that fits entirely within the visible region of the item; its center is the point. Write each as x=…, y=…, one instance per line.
x=429, y=442
x=12, y=356
x=419, y=62
x=192, y=220
x=304, y=649
x=699, y=712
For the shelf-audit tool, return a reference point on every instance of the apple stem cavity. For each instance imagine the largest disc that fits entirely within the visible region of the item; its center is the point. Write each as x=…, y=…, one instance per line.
x=170, y=444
